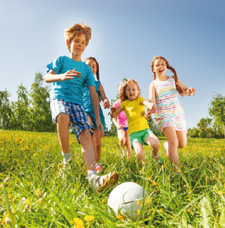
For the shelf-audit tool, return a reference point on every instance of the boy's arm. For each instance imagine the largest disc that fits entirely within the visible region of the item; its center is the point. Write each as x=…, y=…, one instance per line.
x=51, y=76
x=95, y=103
x=189, y=91
x=103, y=97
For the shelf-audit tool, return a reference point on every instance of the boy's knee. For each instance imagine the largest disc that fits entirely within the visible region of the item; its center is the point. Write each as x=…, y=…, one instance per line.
x=63, y=118
x=85, y=135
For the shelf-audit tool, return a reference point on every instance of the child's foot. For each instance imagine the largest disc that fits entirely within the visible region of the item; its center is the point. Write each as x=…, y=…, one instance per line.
x=165, y=144
x=158, y=159
x=99, y=168
x=101, y=182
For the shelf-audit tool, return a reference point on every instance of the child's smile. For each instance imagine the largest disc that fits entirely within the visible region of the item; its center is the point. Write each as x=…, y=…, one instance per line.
x=132, y=92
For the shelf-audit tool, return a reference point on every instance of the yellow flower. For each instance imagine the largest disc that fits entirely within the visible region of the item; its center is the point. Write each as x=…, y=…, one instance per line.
x=79, y=223
x=139, y=212
x=154, y=183
x=220, y=192
x=179, y=171
x=120, y=217
x=138, y=202
x=149, y=200
x=103, y=201
x=38, y=192
x=34, y=155
x=89, y=217
x=60, y=166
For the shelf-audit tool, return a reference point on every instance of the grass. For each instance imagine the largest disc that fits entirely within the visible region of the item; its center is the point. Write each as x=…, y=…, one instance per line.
x=34, y=194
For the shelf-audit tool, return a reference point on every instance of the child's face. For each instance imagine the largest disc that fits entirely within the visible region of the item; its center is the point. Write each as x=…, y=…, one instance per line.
x=132, y=92
x=91, y=63
x=160, y=67
x=78, y=46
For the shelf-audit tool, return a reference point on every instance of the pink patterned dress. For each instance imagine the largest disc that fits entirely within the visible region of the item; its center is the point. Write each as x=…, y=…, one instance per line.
x=169, y=111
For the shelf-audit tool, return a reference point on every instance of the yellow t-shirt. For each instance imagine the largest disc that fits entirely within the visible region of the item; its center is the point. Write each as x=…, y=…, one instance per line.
x=135, y=111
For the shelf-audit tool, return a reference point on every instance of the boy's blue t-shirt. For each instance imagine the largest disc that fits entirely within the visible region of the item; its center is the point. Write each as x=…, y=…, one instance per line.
x=70, y=90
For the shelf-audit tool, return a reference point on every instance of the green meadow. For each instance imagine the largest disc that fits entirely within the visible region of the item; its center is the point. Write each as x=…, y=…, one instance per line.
x=34, y=193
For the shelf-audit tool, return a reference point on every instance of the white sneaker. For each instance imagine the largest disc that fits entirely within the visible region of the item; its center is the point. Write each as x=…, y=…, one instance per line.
x=100, y=182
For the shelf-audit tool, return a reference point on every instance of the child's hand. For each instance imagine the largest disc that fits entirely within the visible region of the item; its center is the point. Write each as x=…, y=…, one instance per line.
x=100, y=127
x=106, y=103
x=147, y=114
x=190, y=91
x=70, y=74
x=112, y=111
x=120, y=127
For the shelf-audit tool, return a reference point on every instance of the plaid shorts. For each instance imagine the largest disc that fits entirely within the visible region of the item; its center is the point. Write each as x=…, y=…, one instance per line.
x=76, y=113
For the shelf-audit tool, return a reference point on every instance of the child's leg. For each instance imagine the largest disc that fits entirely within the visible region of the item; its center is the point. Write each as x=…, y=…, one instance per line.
x=154, y=143
x=172, y=140
x=128, y=144
x=87, y=149
x=98, y=145
x=122, y=140
x=182, y=139
x=138, y=148
x=63, y=132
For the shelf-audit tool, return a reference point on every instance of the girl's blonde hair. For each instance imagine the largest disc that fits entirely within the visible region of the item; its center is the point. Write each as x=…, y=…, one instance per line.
x=77, y=29
x=97, y=72
x=168, y=67
x=130, y=81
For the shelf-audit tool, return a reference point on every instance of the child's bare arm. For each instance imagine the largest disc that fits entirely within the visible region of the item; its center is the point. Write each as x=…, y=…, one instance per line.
x=152, y=92
x=103, y=97
x=51, y=76
x=189, y=91
x=95, y=103
x=115, y=111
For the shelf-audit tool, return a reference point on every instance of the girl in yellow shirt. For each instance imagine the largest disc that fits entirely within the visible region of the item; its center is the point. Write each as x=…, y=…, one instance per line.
x=134, y=106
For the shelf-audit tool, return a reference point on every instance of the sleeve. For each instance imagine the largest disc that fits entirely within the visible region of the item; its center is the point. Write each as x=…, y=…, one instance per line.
x=115, y=104
x=122, y=105
x=56, y=65
x=141, y=99
x=90, y=81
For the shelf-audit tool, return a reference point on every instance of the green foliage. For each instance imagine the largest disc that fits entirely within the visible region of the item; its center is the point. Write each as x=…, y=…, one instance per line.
x=30, y=112
x=40, y=107
x=5, y=109
x=34, y=193
x=153, y=126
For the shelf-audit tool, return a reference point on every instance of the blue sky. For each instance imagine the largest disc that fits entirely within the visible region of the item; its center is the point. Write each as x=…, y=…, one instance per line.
x=126, y=34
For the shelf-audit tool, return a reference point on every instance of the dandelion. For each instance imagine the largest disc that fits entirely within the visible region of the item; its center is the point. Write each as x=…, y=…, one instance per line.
x=161, y=210
x=139, y=211
x=78, y=222
x=120, y=217
x=34, y=155
x=38, y=192
x=154, y=183
x=60, y=166
x=89, y=217
x=138, y=202
x=149, y=200
x=220, y=192
x=103, y=201
x=179, y=171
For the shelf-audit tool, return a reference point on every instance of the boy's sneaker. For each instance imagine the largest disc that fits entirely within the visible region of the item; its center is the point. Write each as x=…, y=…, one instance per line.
x=101, y=182
x=98, y=168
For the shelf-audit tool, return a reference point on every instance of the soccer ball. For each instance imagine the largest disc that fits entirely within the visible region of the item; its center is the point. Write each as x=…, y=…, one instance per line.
x=126, y=199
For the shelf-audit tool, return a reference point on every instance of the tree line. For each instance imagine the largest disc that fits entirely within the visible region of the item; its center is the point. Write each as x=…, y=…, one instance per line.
x=31, y=112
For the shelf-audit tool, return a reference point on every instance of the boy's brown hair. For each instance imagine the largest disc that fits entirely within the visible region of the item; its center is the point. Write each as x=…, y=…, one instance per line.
x=77, y=29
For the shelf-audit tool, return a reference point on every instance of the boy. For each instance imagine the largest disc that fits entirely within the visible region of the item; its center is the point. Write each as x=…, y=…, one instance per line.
x=69, y=76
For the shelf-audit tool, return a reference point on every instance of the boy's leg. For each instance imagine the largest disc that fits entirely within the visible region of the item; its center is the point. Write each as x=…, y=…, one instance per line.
x=63, y=132
x=128, y=144
x=98, y=144
x=138, y=148
x=172, y=140
x=87, y=149
x=122, y=140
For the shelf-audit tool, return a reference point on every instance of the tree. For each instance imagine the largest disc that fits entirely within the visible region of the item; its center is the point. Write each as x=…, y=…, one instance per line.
x=21, y=118
x=5, y=109
x=217, y=110
x=153, y=126
x=41, y=120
